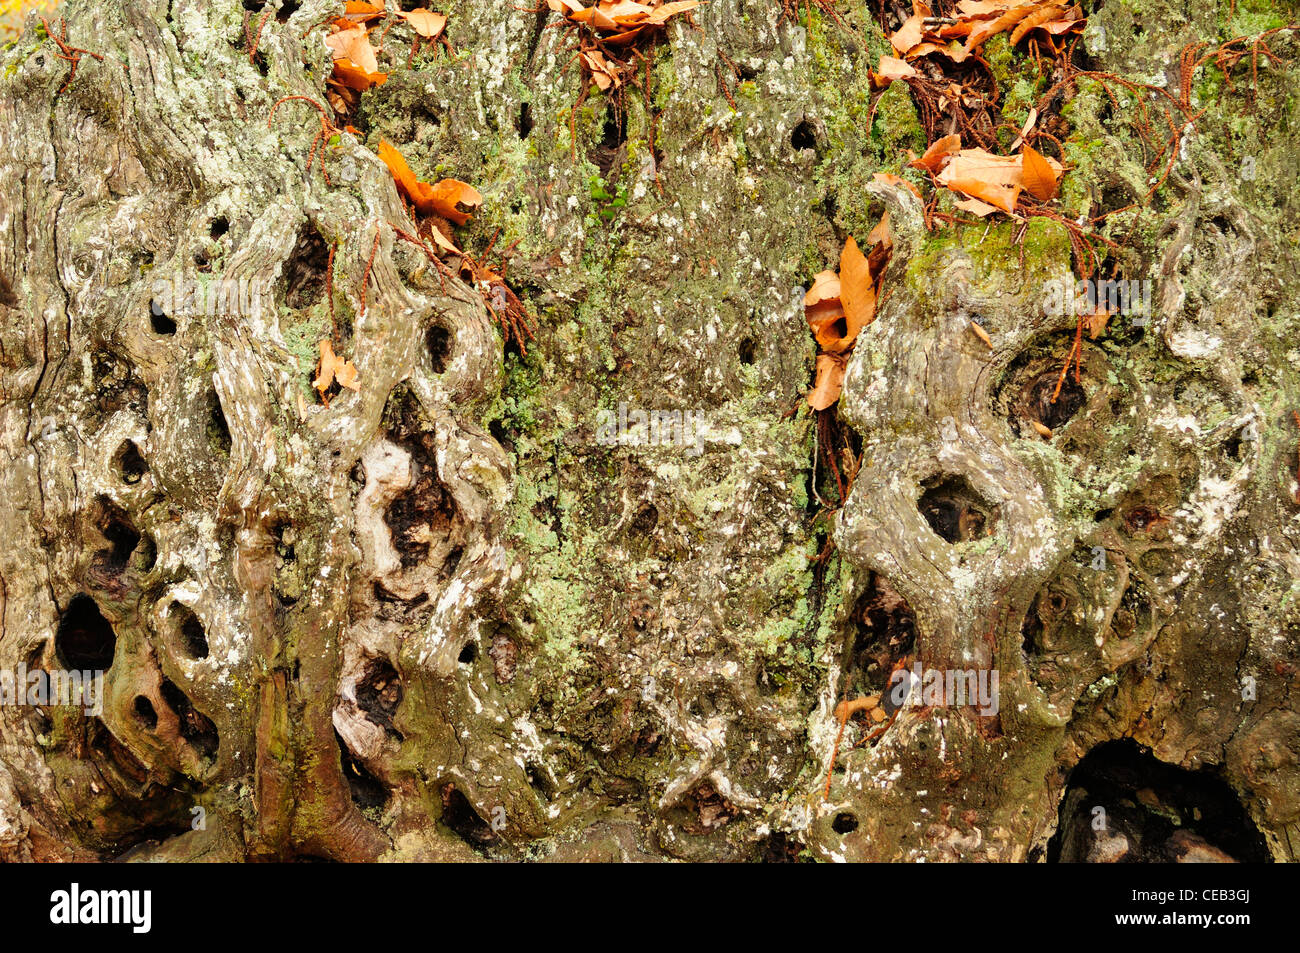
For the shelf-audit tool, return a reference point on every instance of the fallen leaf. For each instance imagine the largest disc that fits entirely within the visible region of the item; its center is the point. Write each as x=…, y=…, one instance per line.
x=829, y=381
x=911, y=32
x=975, y=207
x=446, y=196
x=1035, y=19
x=408, y=184
x=1038, y=175
x=427, y=23
x=891, y=68
x=890, y=179
x=880, y=235
x=823, y=309
x=354, y=44
x=1005, y=21
x=937, y=154
x=1024, y=130
x=857, y=292
x=1096, y=323
x=331, y=369
x=346, y=73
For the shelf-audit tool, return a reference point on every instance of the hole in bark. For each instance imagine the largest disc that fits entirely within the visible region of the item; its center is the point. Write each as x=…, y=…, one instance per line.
x=884, y=633
x=146, y=554
x=468, y=654
x=367, y=791
x=1122, y=805
x=423, y=515
x=159, y=321
x=218, y=431
x=144, y=710
x=711, y=810
x=844, y=823
x=780, y=848
x=646, y=519
x=1143, y=517
x=379, y=693
x=195, y=727
x=745, y=351
x=803, y=136
x=607, y=157
x=384, y=594
x=459, y=815
x=129, y=462
x=1038, y=403
x=105, y=744
x=525, y=123
x=1134, y=612
x=219, y=227
x=438, y=340
x=121, y=536
x=287, y=9
x=304, y=272
x=84, y=639
x=954, y=510
x=254, y=5
x=191, y=635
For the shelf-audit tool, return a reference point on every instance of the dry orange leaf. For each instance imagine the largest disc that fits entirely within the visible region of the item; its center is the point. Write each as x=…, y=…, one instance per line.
x=1040, y=178
x=428, y=23
x=333, y=368
x=354, y=44
x=937, y=155
x=346, y=73
x=447, y=195
x=857, y=290
x=360, y=6
x=975, y=207
x=1096, y=323
x=912, y=31
x=440, y=199
x=1036, y=19
x=891, y=68
x=993, y=27
x=829, y=381
x=823, y=310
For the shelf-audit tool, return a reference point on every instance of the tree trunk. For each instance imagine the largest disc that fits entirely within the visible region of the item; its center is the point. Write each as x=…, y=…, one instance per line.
x=464, y=612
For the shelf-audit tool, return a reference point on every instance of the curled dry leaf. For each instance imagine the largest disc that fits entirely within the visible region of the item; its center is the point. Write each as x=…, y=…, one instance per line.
x=353, y=44
x=427, y=23
x=444, y=198
x=1040, y=177
x=936, y=156
x=993, y=180
x=891, y=68
x=346, y=73
x=1096, y=322
x=331, y=369
x=829, y=381
x=908, y=36
x=838, y=306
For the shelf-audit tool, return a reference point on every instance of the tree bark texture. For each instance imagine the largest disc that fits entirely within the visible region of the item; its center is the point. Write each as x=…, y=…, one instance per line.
x=440, y=618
